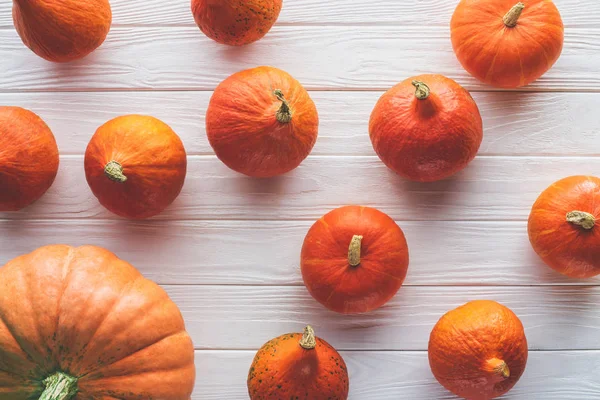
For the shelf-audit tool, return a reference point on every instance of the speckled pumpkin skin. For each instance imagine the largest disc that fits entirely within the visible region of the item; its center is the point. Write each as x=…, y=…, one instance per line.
x=282, y=369
x=236, y=22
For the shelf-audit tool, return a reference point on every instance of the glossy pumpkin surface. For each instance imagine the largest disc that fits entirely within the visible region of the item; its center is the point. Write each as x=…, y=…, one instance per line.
x=562, y=226
x=354, y=259
x=64, y=30
x=478, y=351
x=28, y=158
x=261, y=122
x=506, y=43
x=426, y=128
x=135, y=166
x=236, y=22
x=298, y=366
x=78, y=323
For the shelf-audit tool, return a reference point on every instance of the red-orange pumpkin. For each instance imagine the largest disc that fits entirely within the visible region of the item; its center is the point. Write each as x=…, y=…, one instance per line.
x=236, y=22
x=78, y=323
x=354, y=259
x=297, y=366
x=504, y=43
x=479, y=350
x=261, y=122
x=135, y=166
x=28, y=158
x=562, y=226
x=426, y=128
x=64, y=30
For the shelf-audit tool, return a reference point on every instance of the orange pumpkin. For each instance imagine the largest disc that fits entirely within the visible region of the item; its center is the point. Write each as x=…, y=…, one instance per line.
x=261, y=122
x=298, y=366
x=354, y=259
x=135, y=166
x=236, y=22
x=426, y=128
x=562, y=226
x=28, y=158
x=62, y=31
x=78, y=323
x=504, y=43
x=478, y=351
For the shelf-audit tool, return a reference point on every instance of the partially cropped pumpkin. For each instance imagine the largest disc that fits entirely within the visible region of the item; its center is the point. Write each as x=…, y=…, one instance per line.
x=563, y=227
x=261, y=122
x=504, y=43
x=78, y=323
x=354, y=259
x=478, y=351
x=135, y=166
x=298, y=366
x=64, y=30
x=426, y=128
x=28, y=158
x=236, y=22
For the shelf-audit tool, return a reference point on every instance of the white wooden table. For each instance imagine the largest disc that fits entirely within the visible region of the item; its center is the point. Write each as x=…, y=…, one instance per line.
x=228, y=249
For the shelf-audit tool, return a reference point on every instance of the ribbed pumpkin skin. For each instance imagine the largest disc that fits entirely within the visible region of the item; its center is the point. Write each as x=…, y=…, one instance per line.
x=84, y=312
x=243, y=129
x=502, y=56
x=153, y=160
x=325, y=266
x=565, y=247
x=62, y=31
x=236, y=22
x=28, y=158
x=282, y=369
x=468, y=343
x=426, y=140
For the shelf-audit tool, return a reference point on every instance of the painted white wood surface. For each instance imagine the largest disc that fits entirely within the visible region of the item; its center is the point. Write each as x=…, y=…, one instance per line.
x=227, y=250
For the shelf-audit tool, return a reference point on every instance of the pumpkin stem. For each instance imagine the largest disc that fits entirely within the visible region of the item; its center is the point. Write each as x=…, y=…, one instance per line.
x=499, y=367
x=284, y=114
x=354, y=250
x=308, y=341
x=582, y=219
x=511, y=17
x=59, y=386
x=423, y=90
x=114, y=172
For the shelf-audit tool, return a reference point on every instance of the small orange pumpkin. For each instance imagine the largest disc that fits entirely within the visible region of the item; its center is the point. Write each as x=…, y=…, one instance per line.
x=261, y=122
x=354, y=259
x=236, y=22
x=562, y=226
x=135, y=166
x=504, y=43
x=298, y=366
x=478, y=351
x=64, y=30
x=426, y=128
x=28, y=158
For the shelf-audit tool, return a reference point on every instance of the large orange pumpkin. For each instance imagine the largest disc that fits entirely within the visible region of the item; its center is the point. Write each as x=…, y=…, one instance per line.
x=28, y=158
x=64, y=30
x=562, y=226
x=261, y=122
x=135, y=166
x=479, y=350
x=354, y=259
x=236, y=22
x=426, y=128
x=298, y=366
x=78, y=323
x=504, y=43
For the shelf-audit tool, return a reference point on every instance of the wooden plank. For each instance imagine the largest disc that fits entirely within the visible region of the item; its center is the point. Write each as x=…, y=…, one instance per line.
x=406, y=375
x=241, y=252
x=321, y=57
x=515, y=123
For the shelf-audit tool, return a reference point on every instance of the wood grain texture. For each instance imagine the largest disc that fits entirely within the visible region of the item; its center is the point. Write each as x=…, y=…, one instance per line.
x=320, y=57
x=515, y=123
